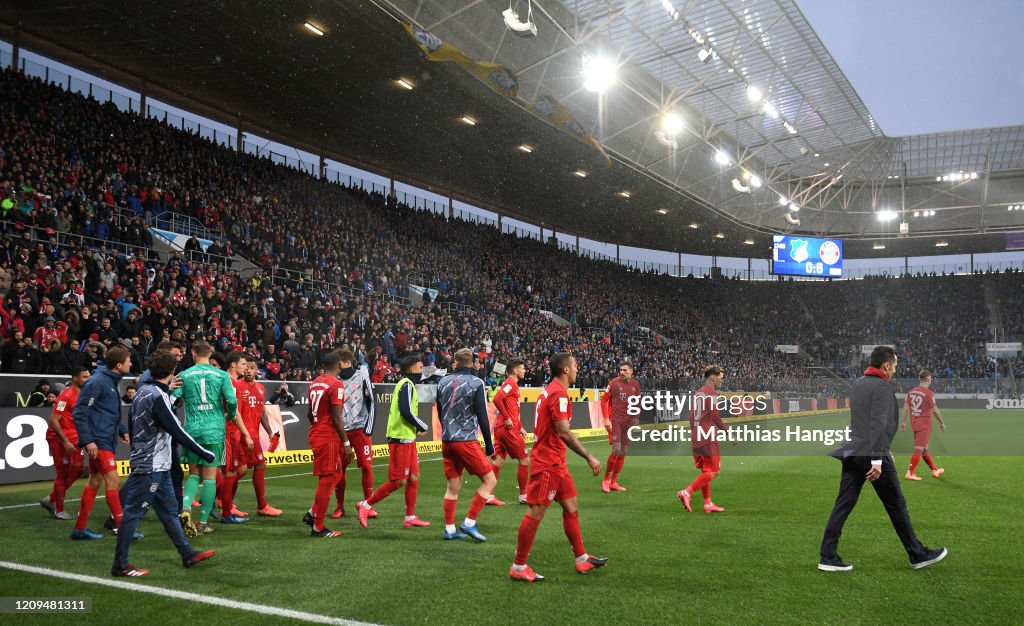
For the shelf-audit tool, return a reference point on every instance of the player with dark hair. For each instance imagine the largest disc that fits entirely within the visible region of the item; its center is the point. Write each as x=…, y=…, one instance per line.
x=404, y=425
x=462, y=411
x=328, y=440
x=97, y=418
x=63, y=440
x=615, y=406
x=550, y=480
x=154, y=432
x=704, y=424
x=509, y=434
x=210, y=402
x=919, y=406
x=252, y=405
x=235, y=454
x=359, y=420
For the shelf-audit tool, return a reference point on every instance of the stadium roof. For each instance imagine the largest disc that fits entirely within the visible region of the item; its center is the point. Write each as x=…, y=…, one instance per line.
x=336, y=94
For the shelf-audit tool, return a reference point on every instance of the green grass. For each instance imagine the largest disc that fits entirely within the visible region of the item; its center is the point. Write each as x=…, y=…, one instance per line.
x=756, y=562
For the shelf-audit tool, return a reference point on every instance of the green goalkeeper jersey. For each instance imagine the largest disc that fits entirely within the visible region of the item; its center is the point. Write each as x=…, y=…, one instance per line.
x=209, y=402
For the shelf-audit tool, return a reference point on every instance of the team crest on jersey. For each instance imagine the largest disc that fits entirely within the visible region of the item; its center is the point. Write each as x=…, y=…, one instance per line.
x=551, y=495
x=61, y=405
x=563, y=405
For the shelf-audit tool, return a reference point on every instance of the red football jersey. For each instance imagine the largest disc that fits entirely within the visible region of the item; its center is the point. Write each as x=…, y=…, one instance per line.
x=549, y=449
x=324, y=392
x=705, y=421
x=506, y=401
x=251, y=398
x=619, y=392
x=230, y=430
x=921, y=401
x=63, y=407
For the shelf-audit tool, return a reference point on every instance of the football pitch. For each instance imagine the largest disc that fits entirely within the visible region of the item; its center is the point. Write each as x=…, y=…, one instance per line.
x=756, y=562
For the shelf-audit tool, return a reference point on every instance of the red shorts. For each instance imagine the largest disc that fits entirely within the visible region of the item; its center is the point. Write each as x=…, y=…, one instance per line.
x=508, y=442
x=620, y=433
x=547, y=486
x=922, y=437
x=460, y=455
x=405, y=460
x=326, y=455
x=234, y=454
x=254, y=457
x=708, y=463
x=61, y=458
x=104, y=463
x=362, y=447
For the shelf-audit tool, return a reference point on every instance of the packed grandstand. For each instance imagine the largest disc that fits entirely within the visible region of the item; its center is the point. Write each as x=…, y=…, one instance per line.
x=83, y=182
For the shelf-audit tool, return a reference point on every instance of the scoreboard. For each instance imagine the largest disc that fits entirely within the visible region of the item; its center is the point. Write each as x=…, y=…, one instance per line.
x=807, y=256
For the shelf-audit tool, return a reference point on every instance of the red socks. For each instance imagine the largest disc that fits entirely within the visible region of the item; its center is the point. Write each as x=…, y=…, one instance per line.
x=85, y=507
x=527, y=533
x=449, y=511
x=411, y=489
x=259, y=476
x=619, y=461
x=609, y=467
x=367, y=480
x=571, y=524
x=914, y=460
x=114, y=503
x=928, y=460
x=476, y=506
x=382, y=492
x=339, y=490
x=699, y=483
x=706, y=492
x=324, y=486
x=227, y=494
x=522, y=476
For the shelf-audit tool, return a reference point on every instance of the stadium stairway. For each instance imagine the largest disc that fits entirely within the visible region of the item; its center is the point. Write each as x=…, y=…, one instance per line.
x=824, y=372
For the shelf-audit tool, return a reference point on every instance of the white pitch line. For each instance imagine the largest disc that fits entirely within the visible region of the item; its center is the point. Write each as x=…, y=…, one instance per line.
x=247, y=480
x=183, y=595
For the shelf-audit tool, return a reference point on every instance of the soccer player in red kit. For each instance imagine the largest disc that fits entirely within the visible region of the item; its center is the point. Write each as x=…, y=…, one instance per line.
x=509, y=434
x=327, y=439
x=704, y=423
x=235, y=452
x=919, y=405
x=550, y=480
x=251, y=404
x=68, y=459
x=615, y=404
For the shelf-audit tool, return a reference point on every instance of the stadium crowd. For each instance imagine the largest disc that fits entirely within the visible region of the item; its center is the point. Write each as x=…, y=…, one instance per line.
x=80, y=181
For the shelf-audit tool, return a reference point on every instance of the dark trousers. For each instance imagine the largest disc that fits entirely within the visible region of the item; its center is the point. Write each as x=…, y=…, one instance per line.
x=177, y=476
x=887, y=487
x=143, y=492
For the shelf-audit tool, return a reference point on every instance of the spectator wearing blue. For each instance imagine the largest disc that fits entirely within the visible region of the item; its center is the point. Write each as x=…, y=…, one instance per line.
x=154, y=432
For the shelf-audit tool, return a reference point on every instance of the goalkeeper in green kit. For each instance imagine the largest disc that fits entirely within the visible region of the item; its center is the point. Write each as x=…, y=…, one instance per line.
x=209, y=403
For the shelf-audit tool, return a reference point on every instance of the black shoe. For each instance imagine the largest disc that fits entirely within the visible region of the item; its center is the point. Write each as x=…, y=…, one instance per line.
x=928, y=558
x=130, y=571
x=110, y=525
x=307, y=519
x=326, y=533
x=834, y=564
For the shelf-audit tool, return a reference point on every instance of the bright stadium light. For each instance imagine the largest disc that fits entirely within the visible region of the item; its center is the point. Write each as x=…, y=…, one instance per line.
x=783, y=200
x=720, y=236
x=754, y=94
x=770, y=110
x=886, y=216
x=468, y=120
x=662, y=211
x=789, y=128
x=598, y=73
x=722, y=157
x=525, y=148
x=671, y=123
x=748, y=241
x=624, y=194
x=754, y=181
x=580, y=173
x=313, y=28
x=694, y=226
x=878, y=246
x=793, y=207
x=941, y=244
x=405, y=83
